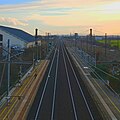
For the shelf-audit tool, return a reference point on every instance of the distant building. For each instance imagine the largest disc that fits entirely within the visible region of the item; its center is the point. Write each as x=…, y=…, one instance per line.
x=17, y=37
x=99, y=37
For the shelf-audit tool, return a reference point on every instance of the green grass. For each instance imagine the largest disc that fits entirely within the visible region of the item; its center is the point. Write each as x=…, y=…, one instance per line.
x=112, y=43
x=114, y=83
x=101, y=41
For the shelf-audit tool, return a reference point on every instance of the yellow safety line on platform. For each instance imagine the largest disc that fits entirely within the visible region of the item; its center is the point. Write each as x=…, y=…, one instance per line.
x=21, y=90
x=108, y=98
x=38, y=76
x=14, y=98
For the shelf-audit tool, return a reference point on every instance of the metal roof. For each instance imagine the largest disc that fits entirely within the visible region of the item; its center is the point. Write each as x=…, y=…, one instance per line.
x=18, y=33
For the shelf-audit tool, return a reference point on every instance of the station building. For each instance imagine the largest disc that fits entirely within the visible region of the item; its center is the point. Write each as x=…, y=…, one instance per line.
x=17, y=37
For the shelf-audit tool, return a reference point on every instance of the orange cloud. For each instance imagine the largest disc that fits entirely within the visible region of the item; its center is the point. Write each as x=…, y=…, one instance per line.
x=65, y=13
x=13, y=21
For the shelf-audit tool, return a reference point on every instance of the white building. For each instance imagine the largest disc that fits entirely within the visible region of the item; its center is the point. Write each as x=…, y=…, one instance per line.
x=17, y=37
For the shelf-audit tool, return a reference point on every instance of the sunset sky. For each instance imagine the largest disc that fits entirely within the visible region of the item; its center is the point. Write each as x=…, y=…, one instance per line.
x=62, y=16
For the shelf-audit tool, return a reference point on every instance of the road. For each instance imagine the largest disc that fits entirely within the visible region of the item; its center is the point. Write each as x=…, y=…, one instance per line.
x=62, y=94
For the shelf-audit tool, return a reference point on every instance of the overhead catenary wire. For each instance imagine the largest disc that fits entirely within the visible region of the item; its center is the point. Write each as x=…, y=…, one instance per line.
x=99, y=77
x=101, y=70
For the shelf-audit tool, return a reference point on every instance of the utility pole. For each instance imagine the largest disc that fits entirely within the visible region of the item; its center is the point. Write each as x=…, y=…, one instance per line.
x=40, y=45
x=76, y=36
x=8, y=77
x=9, y=62
x=105, y=45
x=118, y=42
x=94, y=45
x=91, y=41
x=87, y=42
x=81, y=44
x=48, y=35
x=40, y=50
x=36, y=43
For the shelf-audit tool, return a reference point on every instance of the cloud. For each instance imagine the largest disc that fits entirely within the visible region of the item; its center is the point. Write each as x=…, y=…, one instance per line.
x=52, y=14
x=60, y=7
x=45, y=4
x=12, y=21
x=74, y=18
